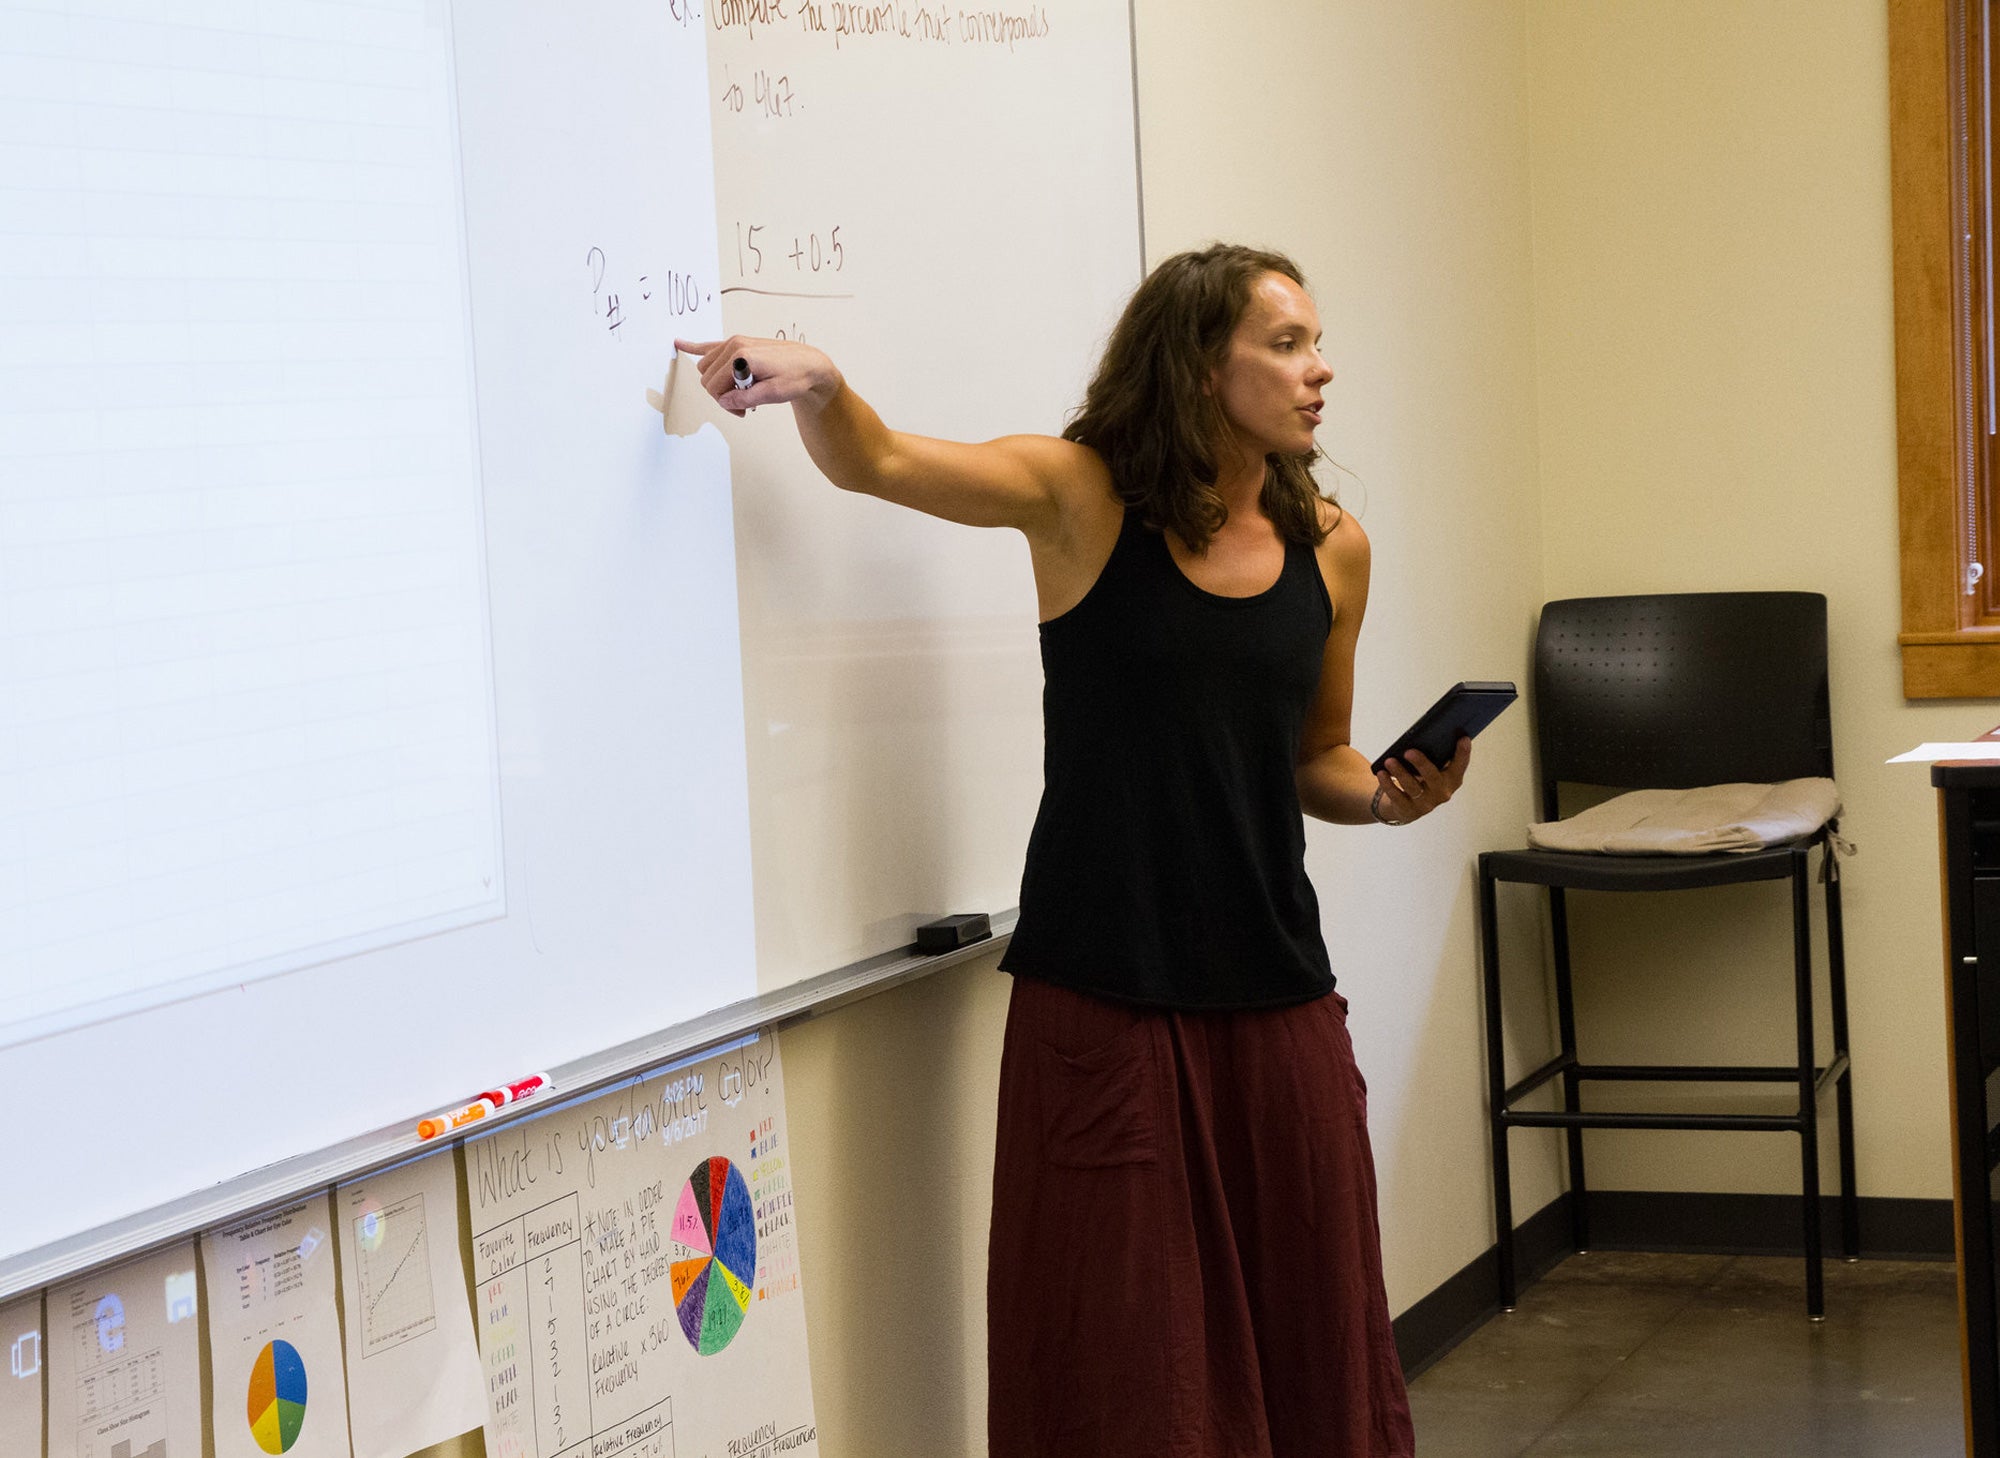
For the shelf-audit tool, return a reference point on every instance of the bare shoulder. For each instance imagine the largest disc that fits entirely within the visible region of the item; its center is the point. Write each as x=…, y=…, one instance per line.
x=1344, y=564
x=1345, y=550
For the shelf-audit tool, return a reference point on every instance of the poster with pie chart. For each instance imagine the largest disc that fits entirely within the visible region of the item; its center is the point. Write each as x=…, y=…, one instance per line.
x=638, y=1269
x=276, y=1381
x=277, y=1405
x=714, y=1255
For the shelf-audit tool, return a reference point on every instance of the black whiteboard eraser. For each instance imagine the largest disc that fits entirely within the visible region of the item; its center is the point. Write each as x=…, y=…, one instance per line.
x=949, y=933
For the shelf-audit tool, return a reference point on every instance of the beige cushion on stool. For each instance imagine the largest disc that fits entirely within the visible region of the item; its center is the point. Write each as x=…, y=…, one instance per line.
x=1694, y=822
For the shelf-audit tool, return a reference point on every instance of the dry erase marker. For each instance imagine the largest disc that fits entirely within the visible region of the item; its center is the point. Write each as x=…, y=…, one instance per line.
x=739, y=371
x=508, y=1093
x=452, y=1119
x=534, y=1083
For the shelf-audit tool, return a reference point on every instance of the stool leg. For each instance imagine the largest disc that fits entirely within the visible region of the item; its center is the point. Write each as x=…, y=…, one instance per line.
x=1579, y=1215
x=1808, y=1104
x=1843, y=1087
x=1496, y=1086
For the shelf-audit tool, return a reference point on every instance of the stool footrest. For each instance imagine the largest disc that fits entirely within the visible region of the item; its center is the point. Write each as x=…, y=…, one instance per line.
x=1559, y=1119
x=1672, y=1073
x=1688, y=1072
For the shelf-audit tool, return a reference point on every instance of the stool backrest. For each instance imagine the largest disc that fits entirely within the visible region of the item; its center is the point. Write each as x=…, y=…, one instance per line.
x=1674, y=690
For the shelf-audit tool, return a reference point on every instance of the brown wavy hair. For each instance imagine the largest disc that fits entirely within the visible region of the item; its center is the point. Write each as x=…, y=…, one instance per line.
x=1149, y=414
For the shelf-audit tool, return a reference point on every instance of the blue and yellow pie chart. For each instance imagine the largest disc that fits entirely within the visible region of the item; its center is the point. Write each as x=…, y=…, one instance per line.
x=277, y=1404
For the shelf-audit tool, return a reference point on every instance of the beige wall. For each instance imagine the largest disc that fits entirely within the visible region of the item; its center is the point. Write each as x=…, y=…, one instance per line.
x=891, y=1105
x=1715, y=365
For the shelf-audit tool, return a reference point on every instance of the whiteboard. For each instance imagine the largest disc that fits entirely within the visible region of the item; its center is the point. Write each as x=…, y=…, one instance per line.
x=665, y=719
x=980, y=167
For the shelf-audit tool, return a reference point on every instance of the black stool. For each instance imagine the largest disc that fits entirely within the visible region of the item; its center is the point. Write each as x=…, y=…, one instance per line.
x=1675, y=691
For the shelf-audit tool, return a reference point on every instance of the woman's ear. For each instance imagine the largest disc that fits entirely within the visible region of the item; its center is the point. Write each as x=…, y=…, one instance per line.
x=1211, y=379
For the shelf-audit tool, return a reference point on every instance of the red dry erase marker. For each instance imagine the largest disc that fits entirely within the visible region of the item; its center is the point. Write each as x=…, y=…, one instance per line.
x=509, y=1093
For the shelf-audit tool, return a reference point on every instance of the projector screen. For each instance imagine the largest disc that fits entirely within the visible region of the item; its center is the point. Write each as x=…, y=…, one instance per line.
x=371, y=714
x=248, y=691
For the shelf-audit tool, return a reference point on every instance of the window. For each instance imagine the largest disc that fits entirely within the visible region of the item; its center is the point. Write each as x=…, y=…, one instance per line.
x=1941, y=73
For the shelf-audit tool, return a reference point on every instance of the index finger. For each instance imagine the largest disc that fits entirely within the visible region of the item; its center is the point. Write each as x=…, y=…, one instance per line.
x=695, y=347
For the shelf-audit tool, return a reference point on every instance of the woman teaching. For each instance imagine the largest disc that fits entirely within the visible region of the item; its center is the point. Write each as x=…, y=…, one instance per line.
x=1184, y=1256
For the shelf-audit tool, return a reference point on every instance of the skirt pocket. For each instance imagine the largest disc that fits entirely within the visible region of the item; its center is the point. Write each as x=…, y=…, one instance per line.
x=1098, y=1107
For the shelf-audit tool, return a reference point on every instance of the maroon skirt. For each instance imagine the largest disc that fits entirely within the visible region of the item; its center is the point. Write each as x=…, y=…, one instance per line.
x=1185, y=1260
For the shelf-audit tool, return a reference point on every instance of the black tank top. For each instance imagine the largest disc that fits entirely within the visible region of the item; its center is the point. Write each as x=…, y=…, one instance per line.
x=1167, y=863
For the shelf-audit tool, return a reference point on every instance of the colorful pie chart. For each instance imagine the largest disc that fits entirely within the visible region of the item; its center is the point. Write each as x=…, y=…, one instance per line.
x=715, y=1255
x=277, y=1403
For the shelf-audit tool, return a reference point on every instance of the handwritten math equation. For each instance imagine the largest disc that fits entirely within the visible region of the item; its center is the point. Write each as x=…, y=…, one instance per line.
x=769, y=96
x=677, y=292
x=810, y=251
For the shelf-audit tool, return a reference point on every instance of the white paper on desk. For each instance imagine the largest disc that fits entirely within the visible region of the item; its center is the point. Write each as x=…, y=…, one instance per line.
x=1969, y=749
x=276, y=1384
x=124, y=1361
x=21, y=1375
x=413, y=1373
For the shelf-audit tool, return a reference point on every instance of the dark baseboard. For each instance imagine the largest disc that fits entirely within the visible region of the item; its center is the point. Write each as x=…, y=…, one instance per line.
x=1454, y=1311
x=1891, y=1229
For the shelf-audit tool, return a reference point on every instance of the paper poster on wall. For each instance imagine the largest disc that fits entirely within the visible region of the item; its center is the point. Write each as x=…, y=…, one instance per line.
x=413, y=1375
x=637, y=1274
x=276, y=1384
x=123, y=1355
x=21, y=1379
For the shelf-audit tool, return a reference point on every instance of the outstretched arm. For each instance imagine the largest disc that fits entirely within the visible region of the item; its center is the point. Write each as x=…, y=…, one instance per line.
x=1016, y=481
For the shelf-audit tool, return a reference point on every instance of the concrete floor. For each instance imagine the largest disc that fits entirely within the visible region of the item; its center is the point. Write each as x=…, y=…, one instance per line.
x=1620, y=1355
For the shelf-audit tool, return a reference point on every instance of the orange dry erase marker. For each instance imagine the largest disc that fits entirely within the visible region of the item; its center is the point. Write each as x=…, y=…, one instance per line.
x=453, y=1119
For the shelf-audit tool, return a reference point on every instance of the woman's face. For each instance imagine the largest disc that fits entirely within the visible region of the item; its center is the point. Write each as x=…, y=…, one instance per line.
x=1270, y=379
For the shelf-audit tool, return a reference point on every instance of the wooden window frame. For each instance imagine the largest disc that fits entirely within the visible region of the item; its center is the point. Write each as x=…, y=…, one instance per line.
x=1947, y=380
